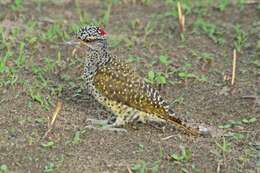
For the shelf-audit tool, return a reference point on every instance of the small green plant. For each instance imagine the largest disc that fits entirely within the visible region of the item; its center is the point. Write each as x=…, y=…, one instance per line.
x=21, y=60
x=146, y=2
x=151, y=25
x=38, y=70
x=258, y=44
x=3, y=63
x=258, y=164
x=222, y=4
x=156, y=77
x=48, y=144
x=17, y=5
x=186, y=75
x=241, y=4
x=107, y=13
x=256, y=63
x=49, y=167
x=84, y=17
x=132, y=58
x=240, y=38
x=49, y=64
x=40, y=98
x=249, y=120
x=229, y=124
x=225, y=146
x=53, y=32
x=202, y=78
x=115, y=41
x=232, y=123
x=3, y=168
x=143, y=167
x=141, y=147
x=165, y=60
x=183, y=156
x=235, y=136
x=76, y=138
x=206, y=57
x=211, y=30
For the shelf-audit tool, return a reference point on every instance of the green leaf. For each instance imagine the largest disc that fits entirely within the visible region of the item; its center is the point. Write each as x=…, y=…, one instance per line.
x=151, y=75
x=3, y=168
x=244, y=120
x=132, y=58
x=257, y=63
x=223, y=4
x=235, y=122
x=252, y=120
x=203, y=78
x=258, y=164
x=186, y=152
x=258, y=41
x=185, y=74
x=249, y=120
x=177, y=157
x=76, y=139
x=161, y=79
x=135, y=167
x=48, y=144
x=164, y=59
x=236, y=136
x=49, y=167
x=224, y=126
x=155, y=166
x=185, y=155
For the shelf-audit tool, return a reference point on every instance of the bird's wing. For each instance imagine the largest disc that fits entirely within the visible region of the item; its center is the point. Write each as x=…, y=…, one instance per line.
x=119, y=82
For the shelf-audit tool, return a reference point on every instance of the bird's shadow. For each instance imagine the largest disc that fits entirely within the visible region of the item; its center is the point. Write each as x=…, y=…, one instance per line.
x=82, y=101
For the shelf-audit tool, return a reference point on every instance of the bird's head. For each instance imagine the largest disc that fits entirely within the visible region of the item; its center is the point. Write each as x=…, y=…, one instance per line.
x=90, y=36
x=91, y=33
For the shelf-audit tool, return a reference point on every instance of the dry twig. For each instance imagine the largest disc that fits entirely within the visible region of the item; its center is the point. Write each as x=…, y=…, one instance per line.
x=168, y=137
x=129, y=169
x=234, y=67
x=181, y=18
x=54, y=117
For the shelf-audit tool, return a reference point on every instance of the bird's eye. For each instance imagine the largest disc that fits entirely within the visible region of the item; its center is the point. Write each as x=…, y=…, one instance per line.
x=99, y=31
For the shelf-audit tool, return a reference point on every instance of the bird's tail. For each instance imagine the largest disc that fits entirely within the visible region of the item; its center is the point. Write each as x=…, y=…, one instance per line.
x=171, y=117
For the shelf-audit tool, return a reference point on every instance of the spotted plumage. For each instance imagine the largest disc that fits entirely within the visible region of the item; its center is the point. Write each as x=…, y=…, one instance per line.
x=117, y=85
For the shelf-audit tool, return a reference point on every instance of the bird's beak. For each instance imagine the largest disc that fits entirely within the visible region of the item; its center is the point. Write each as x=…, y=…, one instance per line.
x=77, y=42
x=73, y=42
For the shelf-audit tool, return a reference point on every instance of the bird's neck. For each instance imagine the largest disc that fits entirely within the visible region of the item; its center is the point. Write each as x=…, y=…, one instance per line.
x=101, y=53
x=98, y=56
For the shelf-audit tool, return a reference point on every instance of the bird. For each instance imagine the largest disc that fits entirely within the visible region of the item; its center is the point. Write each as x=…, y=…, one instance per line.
x=115, y=84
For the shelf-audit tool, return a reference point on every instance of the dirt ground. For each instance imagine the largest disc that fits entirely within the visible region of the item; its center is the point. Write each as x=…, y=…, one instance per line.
x=37, y=70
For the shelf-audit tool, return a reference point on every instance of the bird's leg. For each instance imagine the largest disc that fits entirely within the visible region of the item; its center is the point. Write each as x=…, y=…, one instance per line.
x=96, y=122
x=155, y=122
x=105, y=125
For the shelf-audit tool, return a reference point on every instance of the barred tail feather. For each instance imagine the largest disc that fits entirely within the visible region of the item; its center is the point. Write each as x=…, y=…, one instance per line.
x=171, y=116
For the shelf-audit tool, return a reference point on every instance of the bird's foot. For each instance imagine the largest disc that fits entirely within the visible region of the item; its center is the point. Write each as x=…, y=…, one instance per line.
x=157, y=123
x=103, y=125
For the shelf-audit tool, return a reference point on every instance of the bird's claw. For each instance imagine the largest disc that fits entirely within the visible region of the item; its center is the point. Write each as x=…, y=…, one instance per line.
x=103, y=125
